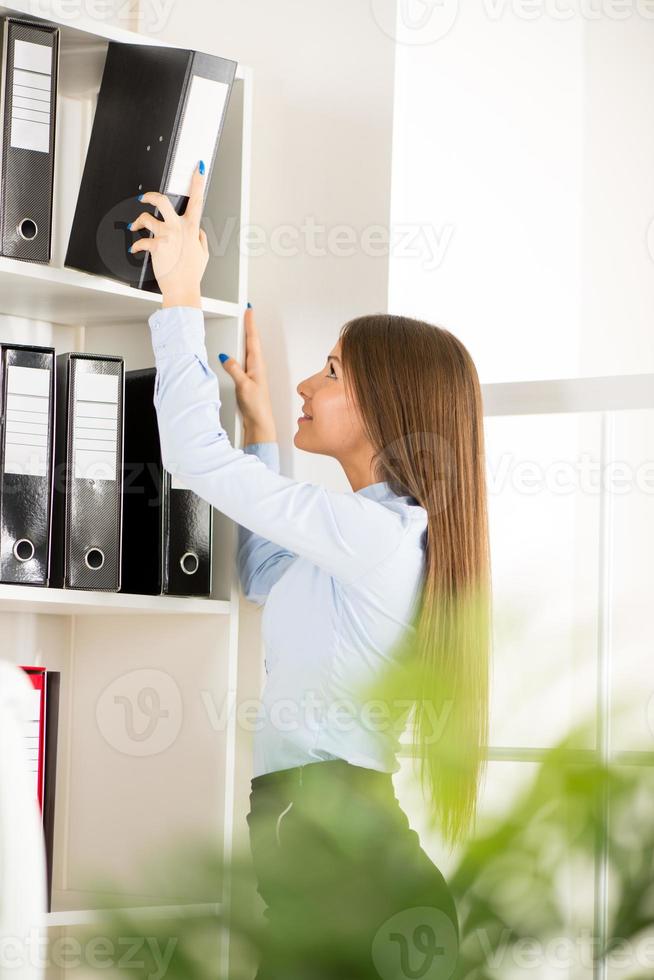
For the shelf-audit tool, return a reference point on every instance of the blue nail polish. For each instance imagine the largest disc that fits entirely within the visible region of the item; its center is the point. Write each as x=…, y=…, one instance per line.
x=223, y=358
x=130, y=248
x=129, y=227
x=249, y=306
x=140, y=197
x=201, y=166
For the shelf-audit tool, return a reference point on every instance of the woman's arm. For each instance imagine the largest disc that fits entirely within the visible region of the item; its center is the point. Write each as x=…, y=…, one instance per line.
x=346, y=534
x=261, y=563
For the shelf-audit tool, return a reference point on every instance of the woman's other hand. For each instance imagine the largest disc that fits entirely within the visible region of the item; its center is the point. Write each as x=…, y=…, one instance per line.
x=179, y=249
x=251, y=384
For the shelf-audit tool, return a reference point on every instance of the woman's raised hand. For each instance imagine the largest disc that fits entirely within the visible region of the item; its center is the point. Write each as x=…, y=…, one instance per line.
x=251, y=384
x=178, y=248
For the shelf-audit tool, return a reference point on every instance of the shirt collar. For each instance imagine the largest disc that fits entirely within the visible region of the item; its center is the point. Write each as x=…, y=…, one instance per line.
x=375, y=490
x=382, y=491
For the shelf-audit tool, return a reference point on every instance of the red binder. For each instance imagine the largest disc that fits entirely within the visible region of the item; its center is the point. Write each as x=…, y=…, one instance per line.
x=34, y=736
x=41, y=741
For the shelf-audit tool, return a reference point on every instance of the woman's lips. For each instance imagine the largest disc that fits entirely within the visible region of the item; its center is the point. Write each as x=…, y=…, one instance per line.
x=304, y=418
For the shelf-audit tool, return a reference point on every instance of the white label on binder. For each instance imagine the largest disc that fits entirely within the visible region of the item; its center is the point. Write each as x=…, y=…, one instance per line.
x=97, y=388
x=98, y=410
x=33, y=57
x=37, y=94
x=31, y=733
x=95, y=427
x=96, y=424
x=30, y=135
x=27, y=420
x=21, y=114
x=33, y=80
x=30, y=125
x=199, y=133
x=28, y=381
x=35, y=105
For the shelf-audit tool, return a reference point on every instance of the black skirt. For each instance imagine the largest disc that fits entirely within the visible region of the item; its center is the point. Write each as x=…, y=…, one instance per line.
x=348, y=890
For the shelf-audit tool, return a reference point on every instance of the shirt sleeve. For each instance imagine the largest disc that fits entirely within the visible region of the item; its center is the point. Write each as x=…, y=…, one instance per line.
x=346, y=534
x=260, y=562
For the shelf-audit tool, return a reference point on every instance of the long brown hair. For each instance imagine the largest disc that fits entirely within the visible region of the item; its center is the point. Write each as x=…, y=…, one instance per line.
x=418, y=394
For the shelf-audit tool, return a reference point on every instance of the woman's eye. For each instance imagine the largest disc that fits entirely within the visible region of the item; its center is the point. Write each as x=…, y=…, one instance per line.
x=332, y=373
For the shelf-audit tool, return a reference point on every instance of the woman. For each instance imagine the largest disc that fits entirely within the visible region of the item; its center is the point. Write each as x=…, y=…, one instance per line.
x=382, y=591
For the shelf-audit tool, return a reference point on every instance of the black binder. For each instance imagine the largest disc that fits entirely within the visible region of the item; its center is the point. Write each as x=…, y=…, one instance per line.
x=26, y=462
x=87, y=511
x=159, y=111
x=167, y=528
x=30, y=60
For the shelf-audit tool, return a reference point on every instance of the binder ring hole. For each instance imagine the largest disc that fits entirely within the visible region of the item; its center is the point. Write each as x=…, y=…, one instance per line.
x=94, y=558
x=189, y=562
x=27, y=229
x=23, y=549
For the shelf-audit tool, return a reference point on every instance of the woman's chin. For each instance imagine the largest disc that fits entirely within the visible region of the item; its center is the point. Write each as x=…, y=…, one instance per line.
x=300, y=439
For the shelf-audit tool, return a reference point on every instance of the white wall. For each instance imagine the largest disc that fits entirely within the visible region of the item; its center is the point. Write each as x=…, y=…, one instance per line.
x=618, y=203
x=488, y=155
x=523, y=142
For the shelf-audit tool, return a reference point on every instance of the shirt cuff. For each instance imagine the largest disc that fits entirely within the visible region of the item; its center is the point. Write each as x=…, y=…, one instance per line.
x=268, y=452
x=178, y=330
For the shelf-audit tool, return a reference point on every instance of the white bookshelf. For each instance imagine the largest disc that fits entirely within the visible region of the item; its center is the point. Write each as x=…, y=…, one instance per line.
x=68, y=296
x=71, y=602
x=116, y=808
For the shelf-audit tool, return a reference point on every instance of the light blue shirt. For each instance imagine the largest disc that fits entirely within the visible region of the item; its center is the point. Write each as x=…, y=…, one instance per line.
x=339, y=572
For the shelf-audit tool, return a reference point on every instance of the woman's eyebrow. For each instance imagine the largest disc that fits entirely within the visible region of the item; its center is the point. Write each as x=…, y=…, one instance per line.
x=332, y=357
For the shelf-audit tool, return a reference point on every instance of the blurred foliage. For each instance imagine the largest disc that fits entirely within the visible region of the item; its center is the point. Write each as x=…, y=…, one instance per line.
x=523, y=887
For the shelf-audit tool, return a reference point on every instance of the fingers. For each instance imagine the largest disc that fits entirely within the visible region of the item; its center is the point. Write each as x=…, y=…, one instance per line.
x=253, y=352
x=252, y=339
x=196, y=196
x=232, y=367
x=147, y=220
x=161, y=202
x=203, y=240
x=143, y=245
x=193, y=208
x=250, y=327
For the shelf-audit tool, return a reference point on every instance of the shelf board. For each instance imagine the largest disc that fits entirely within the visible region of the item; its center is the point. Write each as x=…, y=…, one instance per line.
x=81, y=27
x=82, y=917
x=82, y=23
x=74, y=602
x=44, y=292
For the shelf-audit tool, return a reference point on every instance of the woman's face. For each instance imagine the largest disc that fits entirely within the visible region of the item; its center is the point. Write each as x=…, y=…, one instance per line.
x=334, y=427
